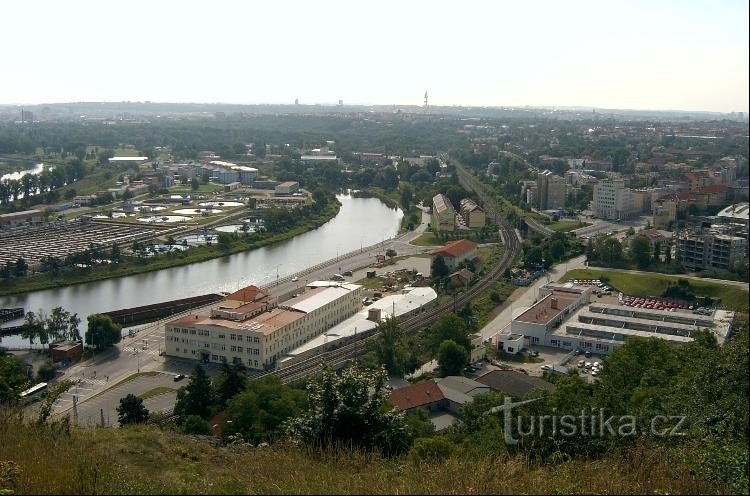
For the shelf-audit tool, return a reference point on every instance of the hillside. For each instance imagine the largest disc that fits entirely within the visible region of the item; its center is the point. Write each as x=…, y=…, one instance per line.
x=53, y=459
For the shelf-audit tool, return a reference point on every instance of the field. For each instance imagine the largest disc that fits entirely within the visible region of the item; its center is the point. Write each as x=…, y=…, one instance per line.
x=732, y=298
x=427, y=239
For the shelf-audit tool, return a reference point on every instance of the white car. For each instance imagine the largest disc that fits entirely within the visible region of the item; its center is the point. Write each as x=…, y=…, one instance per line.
x=594, y=373
x=546, y=367
x=587, y=365
x=295, y=279
x=596, y=364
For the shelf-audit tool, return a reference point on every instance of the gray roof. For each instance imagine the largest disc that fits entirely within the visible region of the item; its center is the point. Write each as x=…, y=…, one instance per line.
x=462, y=385
x=513, y=383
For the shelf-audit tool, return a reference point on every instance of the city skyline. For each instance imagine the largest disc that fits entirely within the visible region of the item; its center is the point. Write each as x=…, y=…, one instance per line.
x=689, y=56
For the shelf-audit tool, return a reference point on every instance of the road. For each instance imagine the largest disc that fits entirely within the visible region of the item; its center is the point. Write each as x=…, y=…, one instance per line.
x=525, y=296
x=141, y=352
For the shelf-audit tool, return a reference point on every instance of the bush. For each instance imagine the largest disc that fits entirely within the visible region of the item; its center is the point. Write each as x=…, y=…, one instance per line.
x=196, y=425
x=46, y=371
x=432, y=449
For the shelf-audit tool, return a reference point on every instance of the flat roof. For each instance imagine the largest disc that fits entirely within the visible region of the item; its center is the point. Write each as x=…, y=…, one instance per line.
x=543, y=313
x=22, y=213
x=572, y=329
x=264, y=323
x=359, y=323
x=315, y=298
x=128, y=159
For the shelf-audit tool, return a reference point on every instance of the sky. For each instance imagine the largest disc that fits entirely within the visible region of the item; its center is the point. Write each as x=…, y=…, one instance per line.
x=634, y=54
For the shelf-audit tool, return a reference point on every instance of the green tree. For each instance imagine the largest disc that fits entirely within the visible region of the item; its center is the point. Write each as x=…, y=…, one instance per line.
x=259, y=412
x=389, y=346
x=438, y=268
x=194, y=424
x=102, y=332
x=451, y=358
x=448, y=327
x=46, y=371
x=406, y=196
x=228, y=383
x=15, y=376
x=351, y=409
x=432, y=449
x=224, y=241
x=194, y=184
x=21, y=268
x=197, y=397
x=131, y=410
x=115, y=255
x=640, y=251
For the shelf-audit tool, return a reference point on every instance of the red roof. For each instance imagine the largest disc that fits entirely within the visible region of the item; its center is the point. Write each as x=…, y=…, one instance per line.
x=416, y=395
x=714, y=188
x=248, y=294
x=456, y=249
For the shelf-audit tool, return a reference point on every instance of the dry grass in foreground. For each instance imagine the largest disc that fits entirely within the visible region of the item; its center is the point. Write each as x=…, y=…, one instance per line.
x=149, y=460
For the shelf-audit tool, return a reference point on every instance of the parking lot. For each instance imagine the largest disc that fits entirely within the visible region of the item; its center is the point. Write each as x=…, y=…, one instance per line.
x=91, y=410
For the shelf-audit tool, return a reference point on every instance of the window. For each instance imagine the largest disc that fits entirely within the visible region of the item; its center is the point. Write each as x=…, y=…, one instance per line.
x=222, y=336
x=232, y=348
x=214, y=357
x=239, y=349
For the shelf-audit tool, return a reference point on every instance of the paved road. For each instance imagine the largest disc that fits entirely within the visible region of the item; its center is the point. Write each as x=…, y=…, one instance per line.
x=90, y=412
x=141, y=352
x=525, y=296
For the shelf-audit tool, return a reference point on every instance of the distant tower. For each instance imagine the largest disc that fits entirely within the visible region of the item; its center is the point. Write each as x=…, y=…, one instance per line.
x=425, y=98
x=296, y=101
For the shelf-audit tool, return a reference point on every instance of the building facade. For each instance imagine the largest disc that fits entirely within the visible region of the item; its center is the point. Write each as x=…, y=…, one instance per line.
x=612, y=200
x=550, y=191
x=251, y=329
x=443, y=213
x=474, y=217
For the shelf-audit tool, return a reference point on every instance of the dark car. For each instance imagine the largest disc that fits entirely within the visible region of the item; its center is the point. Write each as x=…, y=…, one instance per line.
x=179, y=377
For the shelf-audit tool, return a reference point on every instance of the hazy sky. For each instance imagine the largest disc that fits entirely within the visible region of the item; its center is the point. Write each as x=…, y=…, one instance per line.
x=681, y=54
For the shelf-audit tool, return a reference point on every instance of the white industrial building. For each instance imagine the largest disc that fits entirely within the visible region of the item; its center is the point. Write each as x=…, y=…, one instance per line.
x=254, y=331
x=410, y=302
x=564, y=317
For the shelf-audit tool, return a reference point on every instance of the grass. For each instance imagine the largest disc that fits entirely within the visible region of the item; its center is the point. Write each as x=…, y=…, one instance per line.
x=156, y=392
x=145, y=459
x=427, y=239
x=135, y=266
x=371, y=282
x=732, y=297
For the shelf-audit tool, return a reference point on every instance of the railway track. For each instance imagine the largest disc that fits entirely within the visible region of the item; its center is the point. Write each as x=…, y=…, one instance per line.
x=340, y=356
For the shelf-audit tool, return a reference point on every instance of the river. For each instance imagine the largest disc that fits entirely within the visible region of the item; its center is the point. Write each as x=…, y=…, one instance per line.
x=360, y=222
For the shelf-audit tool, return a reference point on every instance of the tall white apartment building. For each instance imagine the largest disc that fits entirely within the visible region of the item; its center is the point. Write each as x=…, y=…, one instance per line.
x=612, y=200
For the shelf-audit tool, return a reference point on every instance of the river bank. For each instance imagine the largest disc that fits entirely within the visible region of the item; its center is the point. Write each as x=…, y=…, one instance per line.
x=133, y=266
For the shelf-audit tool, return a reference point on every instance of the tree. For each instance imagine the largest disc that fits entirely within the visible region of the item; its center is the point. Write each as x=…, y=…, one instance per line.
x=32, y=328
x=194, y=184
x=657, y=252
x=115, y=255
x=448, y=327
x=57, y=323
x=406, y=196
x=224, y=241
x=451, y=358
x=438, y=268
x=228, y=383
x=195, y=398
x=640, y=251
x=46, y=371
x=390, y=253
x=14, y=377
x=73, y=333
x=193, y=424
x=102, y=332
x=127, y=194
x=21, y=267
x=351, y=409
x=389, y=347
x=259, y=412
x=131, y=410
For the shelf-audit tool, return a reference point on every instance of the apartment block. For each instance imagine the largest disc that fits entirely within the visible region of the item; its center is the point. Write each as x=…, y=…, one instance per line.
x=473, y=216
x=551, y=191
x=612, y=200
x=706, y=250
x=443, y=213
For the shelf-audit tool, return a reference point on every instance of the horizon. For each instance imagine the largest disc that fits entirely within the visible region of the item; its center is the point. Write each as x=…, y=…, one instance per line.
x=669, y=56
x=356, y=104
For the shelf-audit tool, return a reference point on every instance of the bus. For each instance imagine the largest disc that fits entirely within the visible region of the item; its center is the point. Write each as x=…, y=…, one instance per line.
x=33, y=393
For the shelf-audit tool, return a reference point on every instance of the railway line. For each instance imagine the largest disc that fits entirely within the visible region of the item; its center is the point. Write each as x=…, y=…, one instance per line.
x=337, y=357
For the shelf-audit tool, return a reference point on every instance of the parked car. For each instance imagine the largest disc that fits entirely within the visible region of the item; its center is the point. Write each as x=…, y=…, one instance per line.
x=295, y=279
x=347, y=273
x=587, y=354
x=179, y=377
x=546, y=367
x=581, y=364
